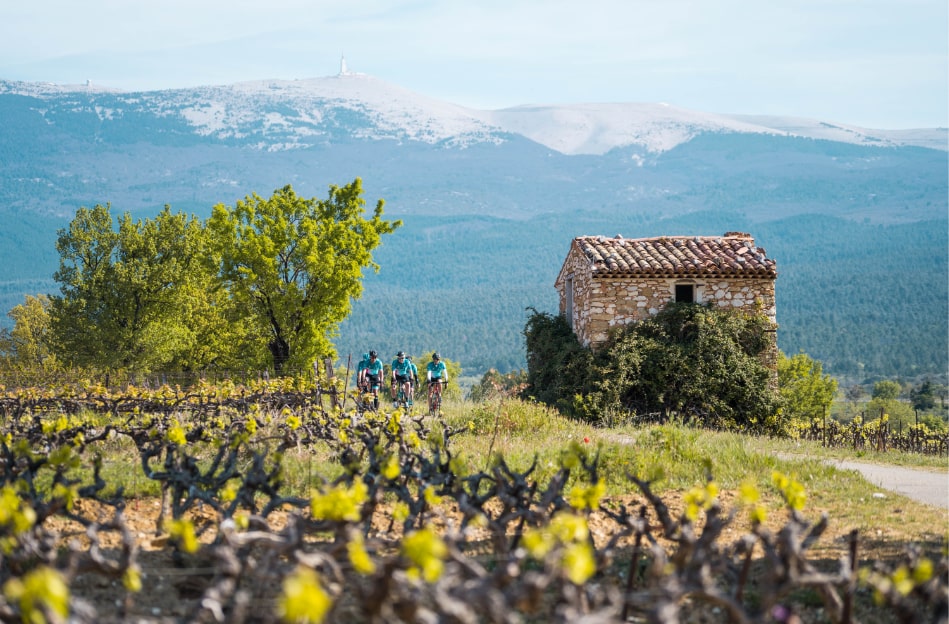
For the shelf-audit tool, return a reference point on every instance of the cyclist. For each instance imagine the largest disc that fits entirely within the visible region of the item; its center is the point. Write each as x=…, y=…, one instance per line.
x=373, y=373
x=401, y=378
x=436, y=373
x=361, y=373
x=414, y=380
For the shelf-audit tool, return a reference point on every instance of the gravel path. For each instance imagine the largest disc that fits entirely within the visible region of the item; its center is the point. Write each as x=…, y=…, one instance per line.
x=925, y=486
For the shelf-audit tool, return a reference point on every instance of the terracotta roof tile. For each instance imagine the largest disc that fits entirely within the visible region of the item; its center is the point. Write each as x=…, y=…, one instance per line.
x=733, y=254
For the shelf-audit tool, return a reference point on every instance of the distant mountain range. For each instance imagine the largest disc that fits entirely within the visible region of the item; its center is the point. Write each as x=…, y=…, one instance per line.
x=281, y=115
x=465, y=179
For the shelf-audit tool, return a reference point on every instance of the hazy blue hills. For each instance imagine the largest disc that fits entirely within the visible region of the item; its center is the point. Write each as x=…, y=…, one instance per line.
x=856, y=218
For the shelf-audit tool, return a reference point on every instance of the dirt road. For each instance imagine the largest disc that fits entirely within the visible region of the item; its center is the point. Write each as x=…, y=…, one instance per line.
x=925, y=486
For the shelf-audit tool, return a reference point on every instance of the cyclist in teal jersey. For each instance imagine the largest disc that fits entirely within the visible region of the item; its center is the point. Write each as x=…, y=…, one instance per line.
x=414, y=374
x=436, y=370
x=437, y=374
x=374, y=373
x=401, y=377
x=361, y=372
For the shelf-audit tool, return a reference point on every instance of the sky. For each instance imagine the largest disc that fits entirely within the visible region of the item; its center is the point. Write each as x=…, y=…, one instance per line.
x=880, y=64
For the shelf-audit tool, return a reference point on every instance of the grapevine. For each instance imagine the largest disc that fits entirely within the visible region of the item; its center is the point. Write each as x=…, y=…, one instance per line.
x=498, y=544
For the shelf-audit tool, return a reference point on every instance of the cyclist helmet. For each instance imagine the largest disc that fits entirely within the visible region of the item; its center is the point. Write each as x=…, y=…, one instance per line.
x=435, y=356
x=400, y=354
x=372, y=354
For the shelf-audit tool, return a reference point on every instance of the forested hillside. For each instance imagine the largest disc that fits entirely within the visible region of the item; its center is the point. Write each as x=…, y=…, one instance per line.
x=865, y=299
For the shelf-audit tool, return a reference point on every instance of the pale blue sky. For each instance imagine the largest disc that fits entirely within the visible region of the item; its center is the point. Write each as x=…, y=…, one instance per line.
x=872, y=63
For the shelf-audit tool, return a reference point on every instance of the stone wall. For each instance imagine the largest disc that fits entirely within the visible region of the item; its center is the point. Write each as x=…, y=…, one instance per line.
x=600, y=305
x=575, y=277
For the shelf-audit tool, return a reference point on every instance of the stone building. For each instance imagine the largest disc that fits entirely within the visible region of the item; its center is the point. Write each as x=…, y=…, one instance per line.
x=608, y=282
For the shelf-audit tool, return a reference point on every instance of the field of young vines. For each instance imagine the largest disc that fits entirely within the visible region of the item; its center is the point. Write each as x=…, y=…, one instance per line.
x=281, y=501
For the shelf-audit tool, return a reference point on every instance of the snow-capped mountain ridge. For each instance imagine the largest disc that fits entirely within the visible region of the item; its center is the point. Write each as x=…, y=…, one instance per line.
x=598, y=128
x=287, y=114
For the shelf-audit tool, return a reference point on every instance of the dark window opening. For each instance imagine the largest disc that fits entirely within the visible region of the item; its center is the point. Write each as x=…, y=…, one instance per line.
x=685, y=293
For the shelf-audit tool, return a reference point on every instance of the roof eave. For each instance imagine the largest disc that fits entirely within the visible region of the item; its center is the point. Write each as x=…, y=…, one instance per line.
x=563, y=267
x=687, y=274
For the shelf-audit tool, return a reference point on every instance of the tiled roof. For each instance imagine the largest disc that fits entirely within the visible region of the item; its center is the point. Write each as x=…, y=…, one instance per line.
x=732, y=255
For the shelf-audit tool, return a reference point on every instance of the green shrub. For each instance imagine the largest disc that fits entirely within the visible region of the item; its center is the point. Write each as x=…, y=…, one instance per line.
x=806, y=391
x=693, y=362
x=494, y=384
x=557, y=365
x=508, y=417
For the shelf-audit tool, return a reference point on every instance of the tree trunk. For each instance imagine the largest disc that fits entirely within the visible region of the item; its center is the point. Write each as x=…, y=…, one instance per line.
x=280, y=351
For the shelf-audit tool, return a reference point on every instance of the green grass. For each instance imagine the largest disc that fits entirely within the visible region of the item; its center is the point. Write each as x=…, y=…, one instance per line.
x=677, y=458
x=674, y=458
x=682, y=456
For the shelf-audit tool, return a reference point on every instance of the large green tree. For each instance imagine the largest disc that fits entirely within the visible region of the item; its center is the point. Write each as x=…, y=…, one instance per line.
x=26, y=345
x=806, y=391
x=924, y=395
x=295, y=265
x=887, y=389
x=135, y=297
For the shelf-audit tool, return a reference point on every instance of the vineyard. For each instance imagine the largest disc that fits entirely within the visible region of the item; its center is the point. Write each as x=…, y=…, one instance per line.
x=876, y=434
x=281, y=501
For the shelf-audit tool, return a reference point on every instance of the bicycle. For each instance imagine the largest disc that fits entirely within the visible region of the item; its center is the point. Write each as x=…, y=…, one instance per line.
x=434, y=397
x=402, y=398
x=371, y=389
x=403, y=395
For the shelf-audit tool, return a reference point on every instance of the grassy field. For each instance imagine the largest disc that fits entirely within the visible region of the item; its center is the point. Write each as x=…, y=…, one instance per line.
x=676, y=459
x=672, y=457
